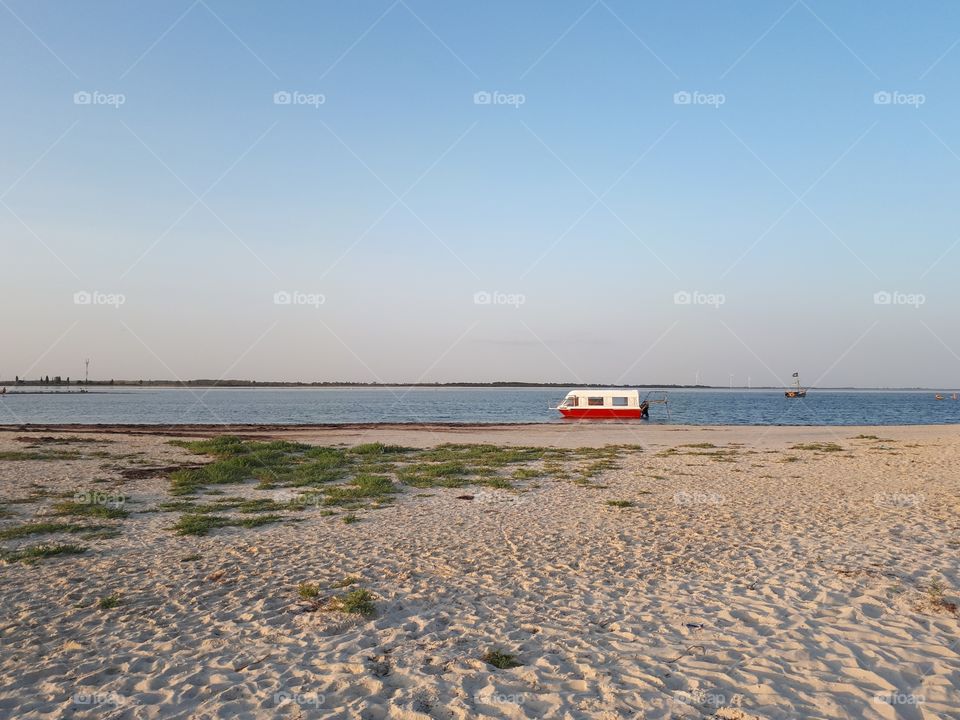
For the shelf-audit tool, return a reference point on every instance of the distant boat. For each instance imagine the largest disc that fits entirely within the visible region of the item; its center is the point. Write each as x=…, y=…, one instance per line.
x=617, y=403
x=938, y=396
x=796, y=391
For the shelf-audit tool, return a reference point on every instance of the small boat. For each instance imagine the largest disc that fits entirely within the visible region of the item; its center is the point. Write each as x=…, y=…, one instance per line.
x=617, y=403
x=938, y=396
x=796, y=391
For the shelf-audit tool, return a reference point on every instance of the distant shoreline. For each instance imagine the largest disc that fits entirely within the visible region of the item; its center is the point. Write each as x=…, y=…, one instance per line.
x=254, y=384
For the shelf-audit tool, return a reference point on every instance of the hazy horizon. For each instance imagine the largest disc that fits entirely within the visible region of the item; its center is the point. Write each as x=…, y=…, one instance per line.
x=413, y=191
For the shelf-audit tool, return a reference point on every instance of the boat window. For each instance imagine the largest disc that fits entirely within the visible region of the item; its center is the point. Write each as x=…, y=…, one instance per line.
x=594, y=401
x=620, y=401
x=571, y=401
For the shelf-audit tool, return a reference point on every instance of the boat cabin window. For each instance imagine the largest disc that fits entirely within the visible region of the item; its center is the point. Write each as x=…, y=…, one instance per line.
x=595, y=401
x=571, y=401
x=619, y=401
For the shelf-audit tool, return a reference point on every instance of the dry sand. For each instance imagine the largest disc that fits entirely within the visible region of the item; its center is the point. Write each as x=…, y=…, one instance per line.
x=763, y=582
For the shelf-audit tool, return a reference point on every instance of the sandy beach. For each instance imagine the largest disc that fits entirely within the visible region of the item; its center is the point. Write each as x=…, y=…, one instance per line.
x=621, y=571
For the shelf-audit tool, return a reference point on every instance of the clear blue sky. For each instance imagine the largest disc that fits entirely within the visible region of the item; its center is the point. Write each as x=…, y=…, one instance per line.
x=787, y=188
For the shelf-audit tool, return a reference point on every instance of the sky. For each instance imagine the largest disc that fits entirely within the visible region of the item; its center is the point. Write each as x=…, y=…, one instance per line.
x=422, y=191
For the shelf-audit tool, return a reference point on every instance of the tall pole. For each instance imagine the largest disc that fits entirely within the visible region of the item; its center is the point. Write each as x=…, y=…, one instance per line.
x=86, y=372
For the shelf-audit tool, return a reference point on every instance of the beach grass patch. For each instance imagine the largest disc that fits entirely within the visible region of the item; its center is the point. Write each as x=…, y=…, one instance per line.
x=308, y=591
x=74, y=508
x=22, y=456
x=818, y=447
x=620, y=503
x=47, y=528
x=35, y=553
x=108, y=602
x=356, y=602
x=500, y=660
x=200, y=524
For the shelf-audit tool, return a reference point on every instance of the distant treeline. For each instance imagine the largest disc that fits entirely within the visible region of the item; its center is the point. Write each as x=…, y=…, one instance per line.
x=203, y=382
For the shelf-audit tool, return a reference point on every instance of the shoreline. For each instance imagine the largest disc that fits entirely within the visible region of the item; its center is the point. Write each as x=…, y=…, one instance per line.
x=557, y=434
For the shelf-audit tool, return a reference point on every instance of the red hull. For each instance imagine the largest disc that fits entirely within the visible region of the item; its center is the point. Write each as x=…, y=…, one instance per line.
x=601, y=412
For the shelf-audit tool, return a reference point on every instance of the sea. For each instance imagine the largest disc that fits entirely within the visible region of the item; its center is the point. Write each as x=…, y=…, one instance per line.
x=294, y=406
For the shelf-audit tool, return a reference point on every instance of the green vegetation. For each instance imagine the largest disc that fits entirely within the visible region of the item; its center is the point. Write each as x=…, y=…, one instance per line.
x=358, y=602
x=500, y=660
x=346, y=582
x=19, y=455
x=73, y=508
x=33, y=553
x=819, y=447
x=201, y=524
x=108, y=602
x=47, y=528
x=363, y=476
x=350, y=519
x=308, y=591
x=620, y=503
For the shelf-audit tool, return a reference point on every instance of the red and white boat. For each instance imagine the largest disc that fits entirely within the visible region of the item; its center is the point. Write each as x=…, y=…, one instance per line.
x=616, y=403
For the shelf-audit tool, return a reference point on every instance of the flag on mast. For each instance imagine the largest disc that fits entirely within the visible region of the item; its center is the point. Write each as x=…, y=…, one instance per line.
x=796, y=374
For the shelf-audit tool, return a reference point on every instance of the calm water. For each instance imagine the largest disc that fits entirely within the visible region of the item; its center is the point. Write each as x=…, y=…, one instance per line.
x=401, y=405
